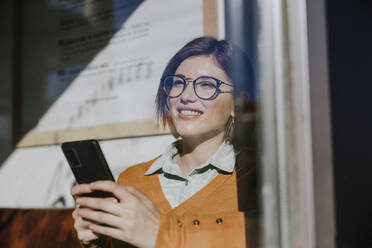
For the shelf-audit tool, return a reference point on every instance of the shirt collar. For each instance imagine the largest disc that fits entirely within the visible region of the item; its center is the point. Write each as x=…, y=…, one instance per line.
x=223, y=159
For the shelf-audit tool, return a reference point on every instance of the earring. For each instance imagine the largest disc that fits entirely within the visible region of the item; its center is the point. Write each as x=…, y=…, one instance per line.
x=229, y=128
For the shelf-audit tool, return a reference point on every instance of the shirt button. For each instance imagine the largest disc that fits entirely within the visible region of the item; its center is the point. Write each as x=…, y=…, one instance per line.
x=196, y=223
x=219, y=221
x=179, y=223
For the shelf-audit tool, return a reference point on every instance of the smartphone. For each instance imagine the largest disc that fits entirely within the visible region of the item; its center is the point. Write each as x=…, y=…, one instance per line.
x=87, y=163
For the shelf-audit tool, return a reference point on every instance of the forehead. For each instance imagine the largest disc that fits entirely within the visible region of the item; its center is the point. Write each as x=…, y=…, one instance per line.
x=197, y=66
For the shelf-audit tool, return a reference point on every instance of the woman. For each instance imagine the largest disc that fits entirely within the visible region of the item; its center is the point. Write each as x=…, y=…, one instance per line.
x=190, y=195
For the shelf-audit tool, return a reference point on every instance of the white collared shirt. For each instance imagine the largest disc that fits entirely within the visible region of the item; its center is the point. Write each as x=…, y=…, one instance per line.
x=176, y=187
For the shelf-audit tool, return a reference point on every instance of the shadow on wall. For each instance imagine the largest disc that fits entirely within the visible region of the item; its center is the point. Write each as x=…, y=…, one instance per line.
x=58, y=41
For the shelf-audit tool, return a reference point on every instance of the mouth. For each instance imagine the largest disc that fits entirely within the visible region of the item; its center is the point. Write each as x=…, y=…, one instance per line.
x=189, y=113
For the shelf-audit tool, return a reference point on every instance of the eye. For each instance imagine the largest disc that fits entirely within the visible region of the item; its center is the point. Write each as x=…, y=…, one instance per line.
x=178, y=83
x=205, y=84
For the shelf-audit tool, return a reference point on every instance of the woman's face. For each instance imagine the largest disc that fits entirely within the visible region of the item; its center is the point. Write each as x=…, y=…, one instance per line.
x=194, y=117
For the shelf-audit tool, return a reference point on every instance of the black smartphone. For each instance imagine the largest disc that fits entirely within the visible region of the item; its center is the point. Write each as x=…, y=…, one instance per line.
x=87, y=163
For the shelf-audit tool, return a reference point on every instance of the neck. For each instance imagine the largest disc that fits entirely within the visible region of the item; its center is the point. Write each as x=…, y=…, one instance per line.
x=196, y=151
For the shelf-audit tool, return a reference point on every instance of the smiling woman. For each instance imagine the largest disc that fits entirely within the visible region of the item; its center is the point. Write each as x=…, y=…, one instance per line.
x=196, y=119
x=190, y=196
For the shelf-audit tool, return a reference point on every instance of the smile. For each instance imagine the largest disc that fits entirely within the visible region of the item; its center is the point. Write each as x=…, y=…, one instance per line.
x=189, y=113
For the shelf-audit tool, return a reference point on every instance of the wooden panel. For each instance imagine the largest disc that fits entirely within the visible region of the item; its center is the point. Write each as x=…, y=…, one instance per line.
x=107, y=131
x=37, y=228
x=210, y=18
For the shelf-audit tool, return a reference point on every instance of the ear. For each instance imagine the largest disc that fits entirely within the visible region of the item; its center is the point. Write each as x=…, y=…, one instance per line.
x=232, y=114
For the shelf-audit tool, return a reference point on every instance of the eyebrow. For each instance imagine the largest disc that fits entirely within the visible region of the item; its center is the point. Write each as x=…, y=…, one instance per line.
x=183, y=76
x=180, y=75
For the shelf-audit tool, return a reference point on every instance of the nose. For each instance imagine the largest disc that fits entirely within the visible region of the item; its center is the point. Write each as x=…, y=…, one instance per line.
x=188, y=95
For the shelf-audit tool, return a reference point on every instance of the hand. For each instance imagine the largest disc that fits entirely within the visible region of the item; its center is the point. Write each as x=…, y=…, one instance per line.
x=133, y=219
x=85, y=235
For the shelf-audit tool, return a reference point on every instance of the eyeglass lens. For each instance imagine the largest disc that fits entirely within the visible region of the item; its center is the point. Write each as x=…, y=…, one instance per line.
x=204, y=87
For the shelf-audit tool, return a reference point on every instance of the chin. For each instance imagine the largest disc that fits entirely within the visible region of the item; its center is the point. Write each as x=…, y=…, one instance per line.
x=187, y=131
x=197, y=131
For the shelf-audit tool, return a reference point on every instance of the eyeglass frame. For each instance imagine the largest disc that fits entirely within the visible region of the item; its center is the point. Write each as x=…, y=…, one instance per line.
x=217, y=92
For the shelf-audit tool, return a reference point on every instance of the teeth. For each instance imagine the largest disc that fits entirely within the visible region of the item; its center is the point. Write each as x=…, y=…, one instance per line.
x=190, y=112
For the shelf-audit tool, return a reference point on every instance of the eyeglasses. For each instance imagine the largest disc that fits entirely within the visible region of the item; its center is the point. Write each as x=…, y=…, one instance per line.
x=205, y=87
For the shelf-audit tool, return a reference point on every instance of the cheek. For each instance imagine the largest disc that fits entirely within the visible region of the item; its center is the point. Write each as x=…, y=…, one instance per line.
x=171, y=103
x=220, y=110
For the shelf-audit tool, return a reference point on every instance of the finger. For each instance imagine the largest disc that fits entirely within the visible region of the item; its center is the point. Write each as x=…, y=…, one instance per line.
x=75, y=214
x=82, y=224
x=79, y=222
x=108, y=231
x=119, y=191
x=87, y=235
x=80, y=189
x=100, y=217
x=112, y=199
x=107, y=205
